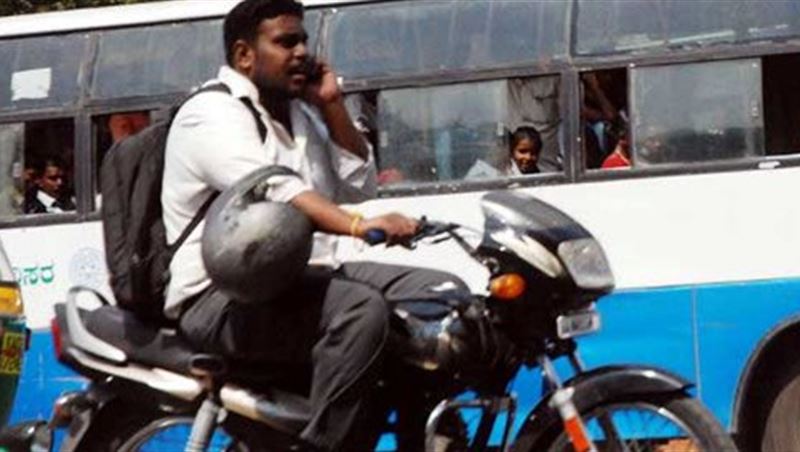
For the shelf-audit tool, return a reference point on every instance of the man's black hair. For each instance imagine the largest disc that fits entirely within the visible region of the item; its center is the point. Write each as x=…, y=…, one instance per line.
x=41, y=164
x=243, y=20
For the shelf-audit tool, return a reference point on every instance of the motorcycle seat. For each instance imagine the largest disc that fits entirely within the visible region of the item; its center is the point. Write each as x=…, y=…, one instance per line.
x=141, y=342
x=147, y=344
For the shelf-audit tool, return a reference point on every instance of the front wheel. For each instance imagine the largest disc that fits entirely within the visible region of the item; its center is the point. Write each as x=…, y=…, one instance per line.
x=649, y=422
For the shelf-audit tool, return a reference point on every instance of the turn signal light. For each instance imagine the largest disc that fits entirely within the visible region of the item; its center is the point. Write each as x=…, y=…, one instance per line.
x=507, y=286
x=10, y=300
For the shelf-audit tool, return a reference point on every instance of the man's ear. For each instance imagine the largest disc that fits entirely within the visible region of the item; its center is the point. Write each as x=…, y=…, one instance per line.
x=243, y=56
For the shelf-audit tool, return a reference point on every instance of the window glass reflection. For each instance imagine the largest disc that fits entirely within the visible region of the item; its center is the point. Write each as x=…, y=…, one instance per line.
x=41, y=72
x=697, y=112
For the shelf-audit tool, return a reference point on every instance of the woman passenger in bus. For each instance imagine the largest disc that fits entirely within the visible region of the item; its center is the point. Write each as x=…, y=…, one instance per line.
x=525, y=147
x=620, y=157
x=48, y=194
x=603, y=117
x=522, y=157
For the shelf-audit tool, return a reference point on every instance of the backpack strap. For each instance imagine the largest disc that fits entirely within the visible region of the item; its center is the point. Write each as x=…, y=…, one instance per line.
x=223, y=88
x=262, y=129
x=192, y=224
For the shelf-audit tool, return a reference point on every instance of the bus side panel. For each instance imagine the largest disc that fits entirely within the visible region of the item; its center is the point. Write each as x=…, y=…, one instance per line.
x=651, y=327
x=43, y=379
x=731, y=320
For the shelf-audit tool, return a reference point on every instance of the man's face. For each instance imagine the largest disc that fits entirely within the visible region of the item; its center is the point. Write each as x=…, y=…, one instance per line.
x=280, y=55
x=51, y=181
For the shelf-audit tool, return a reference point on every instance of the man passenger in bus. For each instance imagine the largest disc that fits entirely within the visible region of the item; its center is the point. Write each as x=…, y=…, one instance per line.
x=123, y=125
x=47, y=194
x=335, y=322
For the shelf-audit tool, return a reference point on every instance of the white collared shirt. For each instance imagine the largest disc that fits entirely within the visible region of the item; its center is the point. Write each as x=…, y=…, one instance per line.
x=48, y=202
x=214, y=142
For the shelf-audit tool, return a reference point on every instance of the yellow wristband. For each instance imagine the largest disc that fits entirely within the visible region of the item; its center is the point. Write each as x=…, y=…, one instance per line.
x=357, y=217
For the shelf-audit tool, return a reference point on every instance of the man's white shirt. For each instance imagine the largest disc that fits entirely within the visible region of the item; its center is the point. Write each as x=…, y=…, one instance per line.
x=214, y=142
x=48, y=202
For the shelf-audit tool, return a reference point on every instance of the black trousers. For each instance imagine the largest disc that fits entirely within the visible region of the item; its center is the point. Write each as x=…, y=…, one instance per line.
x=334, y=322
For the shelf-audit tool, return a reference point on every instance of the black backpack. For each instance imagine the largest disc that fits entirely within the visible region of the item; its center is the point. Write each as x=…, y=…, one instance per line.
x=137, y=253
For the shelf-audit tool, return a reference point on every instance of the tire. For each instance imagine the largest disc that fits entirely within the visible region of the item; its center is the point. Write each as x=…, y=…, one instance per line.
x=782, y=426
x=118, y=428
x=684, y=425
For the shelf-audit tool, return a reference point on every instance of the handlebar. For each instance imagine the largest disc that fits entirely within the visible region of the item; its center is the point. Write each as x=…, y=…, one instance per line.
x=375, y=236
x=426, y=229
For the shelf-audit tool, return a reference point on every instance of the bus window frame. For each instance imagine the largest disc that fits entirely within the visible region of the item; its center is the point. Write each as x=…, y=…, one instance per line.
x=23, y=219
x=584, y=64
x=566, y=175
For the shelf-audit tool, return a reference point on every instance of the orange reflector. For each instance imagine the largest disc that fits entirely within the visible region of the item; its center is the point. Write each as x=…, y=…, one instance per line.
x=507, y=287
x=10, y=301
x=577, y=434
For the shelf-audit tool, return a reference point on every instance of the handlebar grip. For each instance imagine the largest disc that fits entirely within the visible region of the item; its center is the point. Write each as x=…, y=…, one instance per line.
x=375, y=236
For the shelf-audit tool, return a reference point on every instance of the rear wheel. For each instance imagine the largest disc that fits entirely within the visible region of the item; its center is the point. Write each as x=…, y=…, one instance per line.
x=171, y=433
x=135, y=429
x=659, y=423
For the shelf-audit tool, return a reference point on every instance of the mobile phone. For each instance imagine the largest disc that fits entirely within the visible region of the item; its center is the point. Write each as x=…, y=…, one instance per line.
x=313, y=70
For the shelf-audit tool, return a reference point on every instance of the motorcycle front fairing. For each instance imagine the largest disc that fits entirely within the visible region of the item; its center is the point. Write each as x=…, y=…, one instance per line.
x=547, y=239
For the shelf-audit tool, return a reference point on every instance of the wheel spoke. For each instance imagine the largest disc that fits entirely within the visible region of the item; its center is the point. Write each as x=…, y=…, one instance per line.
x=635, y=427
x=172, y=434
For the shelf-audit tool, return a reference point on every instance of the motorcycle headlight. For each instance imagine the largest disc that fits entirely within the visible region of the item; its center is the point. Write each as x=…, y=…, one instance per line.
x=587, y=264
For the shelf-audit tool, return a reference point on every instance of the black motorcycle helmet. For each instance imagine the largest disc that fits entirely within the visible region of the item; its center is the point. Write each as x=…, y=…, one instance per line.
x=253, y=249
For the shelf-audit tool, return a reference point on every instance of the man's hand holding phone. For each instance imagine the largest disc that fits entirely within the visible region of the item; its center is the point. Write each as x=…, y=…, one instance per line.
x=321, y=85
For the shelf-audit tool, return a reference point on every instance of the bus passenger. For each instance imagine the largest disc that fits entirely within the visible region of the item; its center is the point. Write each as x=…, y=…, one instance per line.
x=334, y=321
x=525, y=147
x=603, y=119
x=620, y=158
x=520, y=158
x=48, y=194
x=122, y=125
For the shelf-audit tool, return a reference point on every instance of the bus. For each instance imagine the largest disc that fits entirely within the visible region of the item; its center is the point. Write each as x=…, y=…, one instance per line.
x=700, y=102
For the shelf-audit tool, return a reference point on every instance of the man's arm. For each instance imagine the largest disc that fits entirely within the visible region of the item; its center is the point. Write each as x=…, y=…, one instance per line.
x=328, y=217
x=342, y=130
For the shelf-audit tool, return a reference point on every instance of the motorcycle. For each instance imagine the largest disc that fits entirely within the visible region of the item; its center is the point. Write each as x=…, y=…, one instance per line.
x=147, y=387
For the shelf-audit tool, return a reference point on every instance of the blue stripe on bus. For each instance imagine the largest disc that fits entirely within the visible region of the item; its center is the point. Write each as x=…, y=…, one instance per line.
x=704, y=333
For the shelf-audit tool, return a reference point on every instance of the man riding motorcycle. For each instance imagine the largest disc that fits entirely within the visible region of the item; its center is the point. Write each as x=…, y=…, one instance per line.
x=331, y=320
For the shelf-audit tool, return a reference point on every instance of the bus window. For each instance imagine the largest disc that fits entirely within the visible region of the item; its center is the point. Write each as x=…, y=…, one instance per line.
x=616, y=26
x=36, y=167
x=444, y=35
x=604, y=118
x=165, y=59
x=161, y=59
x=464, y=131
x=697, y=112
x=41, y=72
x=312, y=21
x=782, y=104
x=111, y=128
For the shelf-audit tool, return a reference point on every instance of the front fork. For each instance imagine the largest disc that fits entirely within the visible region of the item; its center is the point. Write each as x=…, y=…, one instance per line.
x=492, y=406
x=562, y=402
